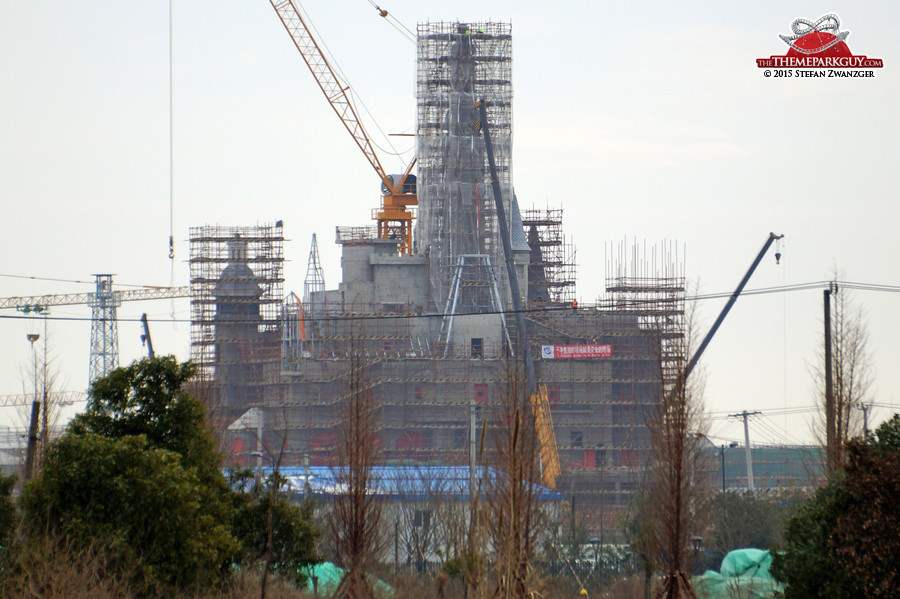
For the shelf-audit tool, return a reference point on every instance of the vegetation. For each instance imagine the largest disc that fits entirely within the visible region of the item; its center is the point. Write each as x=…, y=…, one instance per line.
x=272, y=529
x=513, y=518
x=741, y=520
x=137, y=501
x=357, y=513
x=672, y=511
x=8, y=512
x=132, y=501
x=135, y=488
x=851, y=376
x=844, y=542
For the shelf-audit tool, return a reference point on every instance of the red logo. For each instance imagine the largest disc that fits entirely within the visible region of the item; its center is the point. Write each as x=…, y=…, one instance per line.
x=818, y=45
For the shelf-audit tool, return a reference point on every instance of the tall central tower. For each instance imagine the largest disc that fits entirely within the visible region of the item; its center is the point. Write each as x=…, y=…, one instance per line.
x=458, y=65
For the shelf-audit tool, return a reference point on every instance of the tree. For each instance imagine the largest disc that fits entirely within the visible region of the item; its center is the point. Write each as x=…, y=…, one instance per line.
x=357, y=512
x=8, y=513
x=272, y=529
x=742, y=520
x=148, y=398
x=844, y=542
x=138, y=501
x=138, y=469
x=138, y=472
x=851, y=374
x=675, y=502
x=513, y=517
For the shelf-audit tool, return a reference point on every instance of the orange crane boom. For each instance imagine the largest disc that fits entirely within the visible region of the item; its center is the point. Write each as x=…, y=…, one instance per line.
x=394, y=218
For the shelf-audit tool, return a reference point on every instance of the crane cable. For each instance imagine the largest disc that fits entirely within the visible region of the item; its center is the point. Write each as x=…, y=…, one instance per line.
x=171, y=163
x=332, y=61
x=409, y=36
x=171, y=167
x=395, y=23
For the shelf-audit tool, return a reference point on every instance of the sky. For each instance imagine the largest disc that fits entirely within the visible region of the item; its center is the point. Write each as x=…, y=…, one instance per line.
x=644, y=121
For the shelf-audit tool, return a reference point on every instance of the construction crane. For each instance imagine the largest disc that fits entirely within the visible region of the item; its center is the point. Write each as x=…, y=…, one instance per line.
x=38, y=303
x=394, y=218
x=731, y=300
x=540, y=405
x=103, y=303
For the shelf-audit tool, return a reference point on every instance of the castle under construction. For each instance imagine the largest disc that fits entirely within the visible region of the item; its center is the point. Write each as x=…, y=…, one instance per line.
x=434, y=325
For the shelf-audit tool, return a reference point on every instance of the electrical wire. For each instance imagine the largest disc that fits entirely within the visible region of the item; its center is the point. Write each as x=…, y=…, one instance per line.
x=338, y=318
x=768, y=412
x=80, y=282
x=800, y=286
x=780, y=436
x=48, y=279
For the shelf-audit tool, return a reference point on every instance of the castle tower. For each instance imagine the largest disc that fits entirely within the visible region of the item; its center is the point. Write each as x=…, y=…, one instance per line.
x=460, y=64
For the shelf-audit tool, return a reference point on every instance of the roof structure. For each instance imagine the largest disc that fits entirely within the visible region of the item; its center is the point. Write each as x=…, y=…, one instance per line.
x=400, y=483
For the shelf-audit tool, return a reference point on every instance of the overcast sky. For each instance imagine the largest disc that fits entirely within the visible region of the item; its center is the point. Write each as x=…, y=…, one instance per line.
x=643, y=120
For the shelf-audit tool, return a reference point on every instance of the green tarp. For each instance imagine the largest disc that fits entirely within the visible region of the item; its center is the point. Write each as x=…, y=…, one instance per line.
x=327, y=577
x=744, y=575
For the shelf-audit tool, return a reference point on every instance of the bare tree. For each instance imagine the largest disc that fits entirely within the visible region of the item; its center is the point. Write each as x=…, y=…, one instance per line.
x=513, y=515
x=357, y=513
x=43, y=380
x=460, y=530
x=851, y=375
x=675, y=502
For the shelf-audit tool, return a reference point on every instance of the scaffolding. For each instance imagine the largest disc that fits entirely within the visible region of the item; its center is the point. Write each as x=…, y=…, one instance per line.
x=236, y=298
x=648, y=284
x=459, y=64
x=551, y=268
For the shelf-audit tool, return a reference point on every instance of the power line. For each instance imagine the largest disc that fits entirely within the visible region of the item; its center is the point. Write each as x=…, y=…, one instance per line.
x=799, y=287
x=330, y=318
x=80, y=282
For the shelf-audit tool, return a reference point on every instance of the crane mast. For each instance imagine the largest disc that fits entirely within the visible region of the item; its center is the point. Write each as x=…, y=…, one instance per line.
x=394, y=218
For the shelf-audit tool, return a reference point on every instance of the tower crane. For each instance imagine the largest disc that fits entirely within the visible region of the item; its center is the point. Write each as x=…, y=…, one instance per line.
x=37, y=303
x=394, y=217
x=103, y=302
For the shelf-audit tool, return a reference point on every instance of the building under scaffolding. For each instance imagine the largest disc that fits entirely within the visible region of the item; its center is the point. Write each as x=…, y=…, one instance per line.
x=426, y=333
x=435, y=396
x=236, y=296
x=551, y=265
x=458, y=65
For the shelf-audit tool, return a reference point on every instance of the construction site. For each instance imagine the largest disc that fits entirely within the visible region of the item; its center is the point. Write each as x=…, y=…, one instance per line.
x=428, y=299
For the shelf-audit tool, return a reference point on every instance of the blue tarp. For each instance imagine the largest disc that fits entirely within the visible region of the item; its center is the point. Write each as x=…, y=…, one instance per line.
x=407, y=483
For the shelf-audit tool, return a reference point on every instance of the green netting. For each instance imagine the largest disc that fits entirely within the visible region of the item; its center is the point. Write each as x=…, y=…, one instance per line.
x=744, y=574
x=327, y=577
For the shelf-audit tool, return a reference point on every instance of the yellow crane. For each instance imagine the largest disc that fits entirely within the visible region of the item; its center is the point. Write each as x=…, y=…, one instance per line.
x=394, y=217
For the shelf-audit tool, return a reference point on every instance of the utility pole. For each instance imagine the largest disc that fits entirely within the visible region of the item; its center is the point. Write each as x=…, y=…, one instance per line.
x=830, y=446
x=865, y=411
x=472, y=430
x=723, y=469
x=35, y=414
x=746, y=416
x=45, y=404
x=723, y=448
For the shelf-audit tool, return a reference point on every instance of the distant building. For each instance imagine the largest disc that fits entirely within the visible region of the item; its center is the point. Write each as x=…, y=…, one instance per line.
x=434, y=326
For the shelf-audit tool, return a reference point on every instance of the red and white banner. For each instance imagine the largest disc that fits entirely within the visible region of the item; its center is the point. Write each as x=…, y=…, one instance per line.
x=549, y=352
